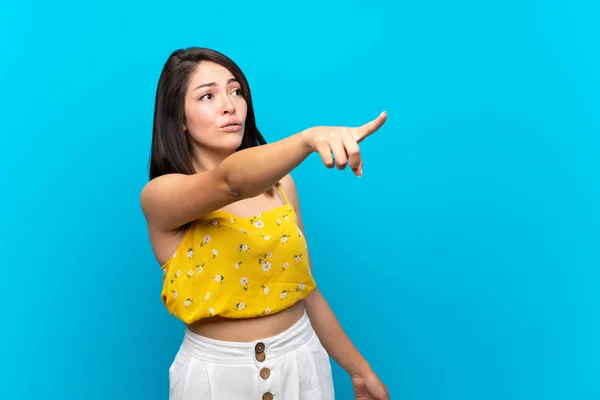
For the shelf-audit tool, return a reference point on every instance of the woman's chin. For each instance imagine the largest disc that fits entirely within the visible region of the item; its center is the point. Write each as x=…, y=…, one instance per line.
x=224, y=144
x=230, y=145
x=233, y=141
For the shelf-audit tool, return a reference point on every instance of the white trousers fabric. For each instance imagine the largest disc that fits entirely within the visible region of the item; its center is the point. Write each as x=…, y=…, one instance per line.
x=292, y=365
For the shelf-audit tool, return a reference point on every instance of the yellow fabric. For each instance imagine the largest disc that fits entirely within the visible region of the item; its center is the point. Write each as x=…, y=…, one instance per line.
x=238, y=267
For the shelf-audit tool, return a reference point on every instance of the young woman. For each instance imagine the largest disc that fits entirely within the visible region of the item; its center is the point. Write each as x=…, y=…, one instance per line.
x=224, y=221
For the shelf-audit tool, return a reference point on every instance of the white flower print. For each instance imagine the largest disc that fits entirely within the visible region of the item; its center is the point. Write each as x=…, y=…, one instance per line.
x=188, y=302
x=216, y=223
x=266, y=237
x=190, y=252
x=264, y=258
x=211, y=311
x=286, y=217
x=215, y=252
x=207, y=296
x=278, y=221
x=232, y=220
x=175, y=255
x=164, y=272
x=190, y=273
x=284, y=238
x=300, y=287
x=243, y=247
x=297, y=257
x=177, y=274
x=265, y=289
x=244, y=282
x=265, y=312
x=266, y=266
x=240, y=306
x=255, y=220
x=285, y=266
x=199, y=267
x=283, y=294
x=237, y=265
x=219, y=278
x=206, y=240
x=175, y=295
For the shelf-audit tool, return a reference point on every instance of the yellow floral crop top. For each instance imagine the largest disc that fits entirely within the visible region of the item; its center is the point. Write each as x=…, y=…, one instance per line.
x=238, y=267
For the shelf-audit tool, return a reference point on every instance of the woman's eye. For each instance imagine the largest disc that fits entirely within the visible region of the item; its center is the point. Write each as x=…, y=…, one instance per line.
x=207, y=96
x=238, y=92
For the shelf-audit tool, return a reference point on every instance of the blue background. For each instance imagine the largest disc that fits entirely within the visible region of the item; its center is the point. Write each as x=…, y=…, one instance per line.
x=464, y=264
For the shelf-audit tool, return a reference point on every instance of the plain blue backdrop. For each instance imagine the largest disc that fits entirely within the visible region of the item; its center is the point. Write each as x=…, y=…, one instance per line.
x=464, y=264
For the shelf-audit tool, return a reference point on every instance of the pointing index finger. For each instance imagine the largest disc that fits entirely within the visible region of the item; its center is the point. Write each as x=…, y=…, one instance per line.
x=370, y=127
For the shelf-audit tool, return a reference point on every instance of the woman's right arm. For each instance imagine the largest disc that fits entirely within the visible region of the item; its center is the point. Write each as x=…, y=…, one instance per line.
x=173, y=200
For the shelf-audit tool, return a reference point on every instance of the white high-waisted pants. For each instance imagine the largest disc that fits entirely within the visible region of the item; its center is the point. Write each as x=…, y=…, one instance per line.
x=292, y=365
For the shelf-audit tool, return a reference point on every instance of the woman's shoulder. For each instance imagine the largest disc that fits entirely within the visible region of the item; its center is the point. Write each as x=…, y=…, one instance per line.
x=288, y=185
x=161, y=183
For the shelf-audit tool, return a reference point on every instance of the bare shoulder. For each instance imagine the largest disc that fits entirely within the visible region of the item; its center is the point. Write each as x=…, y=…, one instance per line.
x=289, y=187
x=291, y=192
x=156, y=188
x=154, y=194
x=171, y=201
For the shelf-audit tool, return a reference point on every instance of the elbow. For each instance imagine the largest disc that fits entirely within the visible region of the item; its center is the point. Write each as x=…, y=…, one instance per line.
x=232, y=187
x=239, y=183
x=233, y=192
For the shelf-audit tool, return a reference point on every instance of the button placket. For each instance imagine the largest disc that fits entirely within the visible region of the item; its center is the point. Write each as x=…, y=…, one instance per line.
x=265, y=370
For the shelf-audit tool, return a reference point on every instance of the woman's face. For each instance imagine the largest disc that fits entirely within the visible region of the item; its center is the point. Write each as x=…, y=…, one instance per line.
x=215, y=109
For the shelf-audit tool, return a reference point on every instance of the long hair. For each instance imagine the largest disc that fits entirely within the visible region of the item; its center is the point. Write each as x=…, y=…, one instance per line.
x=172, y=149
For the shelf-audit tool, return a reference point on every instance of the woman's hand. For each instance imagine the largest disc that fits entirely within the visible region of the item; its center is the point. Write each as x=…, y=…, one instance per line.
x=367, y=386
x=339, y=145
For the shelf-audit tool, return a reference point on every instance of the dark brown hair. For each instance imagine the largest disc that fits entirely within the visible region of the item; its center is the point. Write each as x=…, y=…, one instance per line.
x=172, y=150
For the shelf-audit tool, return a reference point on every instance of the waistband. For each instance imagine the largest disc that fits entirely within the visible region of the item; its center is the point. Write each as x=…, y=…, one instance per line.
x=226, y=352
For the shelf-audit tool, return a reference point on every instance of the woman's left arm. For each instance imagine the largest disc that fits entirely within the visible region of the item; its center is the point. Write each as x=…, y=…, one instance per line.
x=336, y=342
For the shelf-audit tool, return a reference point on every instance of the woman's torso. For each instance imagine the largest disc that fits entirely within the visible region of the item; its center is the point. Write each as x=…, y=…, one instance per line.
x=234, y=329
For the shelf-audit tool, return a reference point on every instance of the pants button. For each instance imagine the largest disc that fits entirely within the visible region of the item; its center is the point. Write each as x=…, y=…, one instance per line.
x=260, y=357
x=260, y=347
x=267, y=396
x=265, y=373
